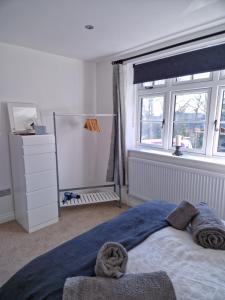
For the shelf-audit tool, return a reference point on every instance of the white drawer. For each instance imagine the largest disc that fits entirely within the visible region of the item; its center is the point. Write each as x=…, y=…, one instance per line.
x=38, y=139
x=39, y=181
x=38, y=149
x=42, y=214
x=39, y=162
x=42, y=197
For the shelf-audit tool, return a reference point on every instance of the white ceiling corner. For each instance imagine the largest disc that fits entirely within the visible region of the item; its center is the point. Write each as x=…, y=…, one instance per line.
x=57, y=26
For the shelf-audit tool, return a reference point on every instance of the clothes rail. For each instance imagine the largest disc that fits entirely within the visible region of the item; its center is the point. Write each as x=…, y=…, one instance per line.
x=87, y=198
x=84, y=115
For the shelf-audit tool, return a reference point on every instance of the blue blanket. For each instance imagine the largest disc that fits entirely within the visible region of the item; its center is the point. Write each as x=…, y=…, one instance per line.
x=44, y=277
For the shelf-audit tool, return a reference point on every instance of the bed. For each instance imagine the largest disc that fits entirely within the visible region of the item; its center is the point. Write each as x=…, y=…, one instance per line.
x=196, y=273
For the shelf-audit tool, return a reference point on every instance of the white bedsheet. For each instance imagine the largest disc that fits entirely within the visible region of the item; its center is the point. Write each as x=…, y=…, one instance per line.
x=196, y=273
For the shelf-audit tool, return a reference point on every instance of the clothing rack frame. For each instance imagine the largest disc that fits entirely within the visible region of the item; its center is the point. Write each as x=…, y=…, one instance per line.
x=114, y=185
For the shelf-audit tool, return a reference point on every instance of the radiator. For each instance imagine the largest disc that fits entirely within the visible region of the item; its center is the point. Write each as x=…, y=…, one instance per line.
x=157, y=180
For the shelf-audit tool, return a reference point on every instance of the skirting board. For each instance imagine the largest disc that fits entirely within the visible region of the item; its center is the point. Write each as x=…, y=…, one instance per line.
x=6, y=209
x=7, y=217
x=134, y=201
x=43, y=225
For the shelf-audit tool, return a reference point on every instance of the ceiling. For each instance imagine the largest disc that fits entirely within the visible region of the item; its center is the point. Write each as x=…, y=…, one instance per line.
x=57, y=26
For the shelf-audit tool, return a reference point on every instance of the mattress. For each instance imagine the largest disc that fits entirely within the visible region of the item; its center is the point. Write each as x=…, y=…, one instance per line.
x=197, y=273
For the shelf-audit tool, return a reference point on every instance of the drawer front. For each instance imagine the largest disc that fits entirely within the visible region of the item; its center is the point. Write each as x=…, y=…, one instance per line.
x=39, y=162
x=38, y=139
x=42, y=214
x=41, y=180
x=38, y=149
x=41, y=198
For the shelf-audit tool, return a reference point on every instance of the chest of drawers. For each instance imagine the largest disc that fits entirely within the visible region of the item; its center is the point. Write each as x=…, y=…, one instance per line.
x=34, y=180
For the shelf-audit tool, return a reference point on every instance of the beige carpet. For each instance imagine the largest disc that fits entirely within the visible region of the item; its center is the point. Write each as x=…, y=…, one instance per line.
x=18, y=247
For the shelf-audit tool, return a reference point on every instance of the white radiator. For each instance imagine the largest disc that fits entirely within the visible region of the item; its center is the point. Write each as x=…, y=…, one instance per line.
x=156, y=180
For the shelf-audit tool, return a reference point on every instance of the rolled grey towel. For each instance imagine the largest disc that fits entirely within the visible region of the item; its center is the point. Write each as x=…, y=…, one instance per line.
x=182, y=215
x=111, y=260
x=154, y=286
x=207, y=229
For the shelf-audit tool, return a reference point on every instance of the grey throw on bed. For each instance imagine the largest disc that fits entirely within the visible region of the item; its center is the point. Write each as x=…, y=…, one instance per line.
x=154, y=286
x=111, y=260
x=208, y=231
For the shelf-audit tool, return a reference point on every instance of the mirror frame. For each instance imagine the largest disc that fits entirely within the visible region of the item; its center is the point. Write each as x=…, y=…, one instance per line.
x=11, y=105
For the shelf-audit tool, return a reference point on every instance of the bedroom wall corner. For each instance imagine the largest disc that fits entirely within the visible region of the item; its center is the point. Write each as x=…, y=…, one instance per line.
x=54, y=82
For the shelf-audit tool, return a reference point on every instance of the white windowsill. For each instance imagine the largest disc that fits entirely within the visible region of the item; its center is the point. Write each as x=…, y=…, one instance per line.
x=214, y=164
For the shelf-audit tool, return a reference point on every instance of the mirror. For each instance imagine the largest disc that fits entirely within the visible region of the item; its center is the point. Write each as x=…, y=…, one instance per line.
x=22, y=116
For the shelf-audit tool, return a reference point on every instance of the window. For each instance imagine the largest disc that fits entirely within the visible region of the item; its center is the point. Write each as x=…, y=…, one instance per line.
x=151, y=84
x=194, y=77
x=188, y=106
x=151, y=119
x=221, y=129
x=190, y=112
x=222, y=74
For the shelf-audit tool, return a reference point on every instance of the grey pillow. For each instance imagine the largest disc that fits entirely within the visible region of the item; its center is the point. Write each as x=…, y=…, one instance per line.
x=181, y=216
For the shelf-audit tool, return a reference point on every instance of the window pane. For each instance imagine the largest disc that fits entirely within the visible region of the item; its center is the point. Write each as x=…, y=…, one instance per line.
x=152, y=108
x=205, y=75
x=201, y=75
x=160, y=82
x=222, y=116
x=191, y=107
x=184, y=78
x=151, y=133
x=148, y=85
x=192, y=134
x=221, y=141
x=222, y=74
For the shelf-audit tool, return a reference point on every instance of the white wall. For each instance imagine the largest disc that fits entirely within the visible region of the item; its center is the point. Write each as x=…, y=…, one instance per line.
x=104, y=95
x=51, y=81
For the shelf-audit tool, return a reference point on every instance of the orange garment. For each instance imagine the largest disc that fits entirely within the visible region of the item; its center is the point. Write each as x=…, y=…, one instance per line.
x=92, y=125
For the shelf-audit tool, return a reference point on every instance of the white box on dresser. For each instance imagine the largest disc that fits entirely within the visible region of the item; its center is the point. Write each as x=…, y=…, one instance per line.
x=34, y=180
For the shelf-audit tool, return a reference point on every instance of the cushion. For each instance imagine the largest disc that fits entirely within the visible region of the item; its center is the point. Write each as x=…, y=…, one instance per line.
x=181, y=216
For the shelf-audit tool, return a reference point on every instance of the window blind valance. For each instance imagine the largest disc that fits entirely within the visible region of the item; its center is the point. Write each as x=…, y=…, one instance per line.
x=198, y=61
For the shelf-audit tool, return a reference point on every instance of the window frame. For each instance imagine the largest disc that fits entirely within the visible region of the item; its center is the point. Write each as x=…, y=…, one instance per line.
x=139, y=120
x=175, y=82
x=214, y=85
x=172, y=122
x=158, y=86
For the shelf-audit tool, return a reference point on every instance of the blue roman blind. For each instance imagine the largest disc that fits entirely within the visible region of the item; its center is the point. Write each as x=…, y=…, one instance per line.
x=198, y=61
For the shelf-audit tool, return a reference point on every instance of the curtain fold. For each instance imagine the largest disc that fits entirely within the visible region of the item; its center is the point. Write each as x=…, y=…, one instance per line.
x=116, y=170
